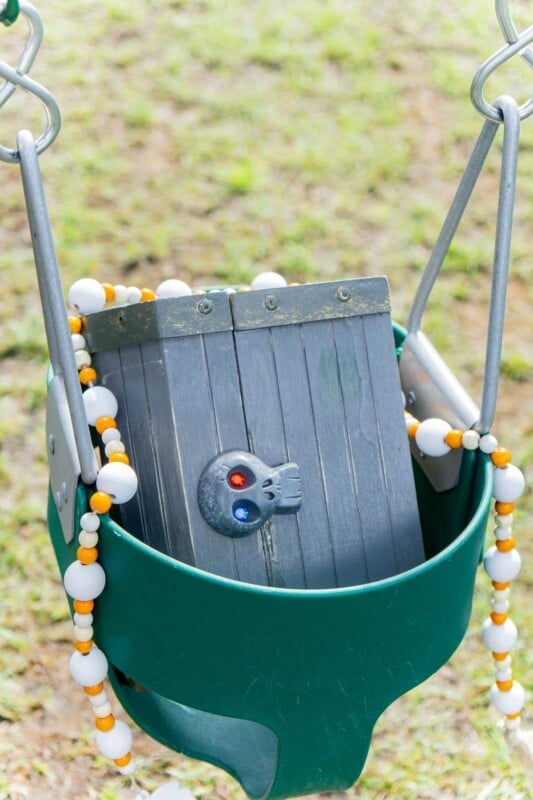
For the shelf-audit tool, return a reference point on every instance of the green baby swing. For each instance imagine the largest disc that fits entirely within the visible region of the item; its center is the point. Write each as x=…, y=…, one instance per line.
x=285, y=554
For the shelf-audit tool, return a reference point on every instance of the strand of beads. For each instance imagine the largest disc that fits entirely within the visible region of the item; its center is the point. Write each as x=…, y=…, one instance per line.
x=85, y=578
x=502, y=562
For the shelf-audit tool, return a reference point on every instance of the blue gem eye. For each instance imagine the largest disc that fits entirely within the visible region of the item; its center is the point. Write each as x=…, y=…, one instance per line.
x=241, y=513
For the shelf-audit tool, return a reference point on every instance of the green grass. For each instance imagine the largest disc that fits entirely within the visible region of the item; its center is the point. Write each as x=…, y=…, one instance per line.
x=209, y=140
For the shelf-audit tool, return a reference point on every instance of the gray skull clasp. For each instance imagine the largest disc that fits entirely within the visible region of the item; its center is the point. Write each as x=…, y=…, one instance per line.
x=238, y=493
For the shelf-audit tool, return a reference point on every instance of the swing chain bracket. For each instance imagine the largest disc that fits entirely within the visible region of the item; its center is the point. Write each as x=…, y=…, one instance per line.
x=516, y=44
x=15, y=77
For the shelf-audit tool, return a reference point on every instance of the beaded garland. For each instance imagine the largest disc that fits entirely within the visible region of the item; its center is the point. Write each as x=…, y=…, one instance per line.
x=116, y=483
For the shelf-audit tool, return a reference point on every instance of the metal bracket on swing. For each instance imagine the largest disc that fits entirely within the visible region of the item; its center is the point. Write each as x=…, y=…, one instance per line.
x=430, y=388
x=69, y=446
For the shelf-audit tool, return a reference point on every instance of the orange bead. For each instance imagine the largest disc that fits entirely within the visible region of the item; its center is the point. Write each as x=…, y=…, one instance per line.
x=105, y=723
x=498, y=619
x=500, y=656
x=74, y=324
x=501, y=457
x=505, y=686
x=500, y=585
x=513, y=716
x=147, y=295
x=504, y=508
x=83, y=647
x=506, y=545
x=87, y=555
x=124, y=761
x=103, y=423
x=92, y=691
x=454, y=439
x=87, y=375
x=109, y=290
x=412, y=429
x=122, y=457
x=100, y=502
x=83, y=606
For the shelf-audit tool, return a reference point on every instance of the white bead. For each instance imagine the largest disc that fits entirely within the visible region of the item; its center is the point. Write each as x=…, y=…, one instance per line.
x=103, y=710
x=501, y=607
x=503, y=520
x=504, y=664
x=230, y=290
x=501, y=595
x=134, y=295
x=511, y=702
x=470, y=440
x=121, y=294
x=99, y=402
x=268, y=280
x=78, y=341
x=90, y=521
x=115, y=743
x=114, y=446
x=111, y=435
x=83, y=620
x=86, y=296
x=502, y=533
x=98, y=699
x=503, y=675
x=84, y=581
x=87, y=539
x=430, y=437
x=89, y=669
x=513, y=724
x=83, y=359
x=117, y=480
x=171, y=791
x=499, y=638
x=502, y=567
x=129, y=769
x=488, y=443
x=173, y=288
x=83, y=634
x=509, y=483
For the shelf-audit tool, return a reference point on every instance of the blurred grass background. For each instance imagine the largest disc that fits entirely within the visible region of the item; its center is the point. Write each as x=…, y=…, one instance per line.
x=211, y=140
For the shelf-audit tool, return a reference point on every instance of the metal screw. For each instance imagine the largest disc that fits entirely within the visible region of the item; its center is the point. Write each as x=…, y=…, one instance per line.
x=343, y=294
x=271, y=302
x=411, y=397
x=51, y=445
x=205, y=306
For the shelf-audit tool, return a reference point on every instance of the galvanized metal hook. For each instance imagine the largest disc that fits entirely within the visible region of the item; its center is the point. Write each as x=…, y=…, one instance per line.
x=51, y=107
x=31, y=48
x=508, y=29
x=519, y=46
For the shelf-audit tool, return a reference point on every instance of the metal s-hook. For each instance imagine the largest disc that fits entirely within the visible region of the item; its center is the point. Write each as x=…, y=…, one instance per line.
x=31, y=48
x=508, y=29
x=52, y=112
x=517, y=44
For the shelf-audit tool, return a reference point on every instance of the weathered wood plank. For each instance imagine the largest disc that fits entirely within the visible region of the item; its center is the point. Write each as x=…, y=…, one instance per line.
x=266, y=436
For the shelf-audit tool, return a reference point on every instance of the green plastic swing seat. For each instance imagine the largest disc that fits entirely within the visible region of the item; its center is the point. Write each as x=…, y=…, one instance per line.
x=282, y=687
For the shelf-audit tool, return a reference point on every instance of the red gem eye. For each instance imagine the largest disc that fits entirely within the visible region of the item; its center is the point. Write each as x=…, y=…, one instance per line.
x=237, y=480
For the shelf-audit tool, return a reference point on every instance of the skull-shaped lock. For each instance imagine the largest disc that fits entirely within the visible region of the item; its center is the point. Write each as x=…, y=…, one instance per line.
x=238, y=493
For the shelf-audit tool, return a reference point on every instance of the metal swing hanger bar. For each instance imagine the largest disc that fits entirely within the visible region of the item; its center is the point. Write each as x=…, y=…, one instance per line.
x=510, y=118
